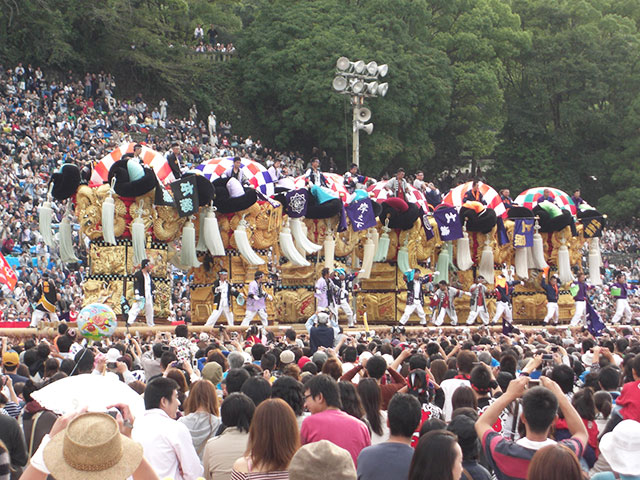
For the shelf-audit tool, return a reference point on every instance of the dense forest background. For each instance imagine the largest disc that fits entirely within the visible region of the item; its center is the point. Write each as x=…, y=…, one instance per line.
x=533, y=92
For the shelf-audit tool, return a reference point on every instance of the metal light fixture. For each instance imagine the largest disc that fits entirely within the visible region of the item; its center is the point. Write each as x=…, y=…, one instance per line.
x=343, y=64
x=360, y=80
x=339, y=84
x=359, y=66
x=357, y=86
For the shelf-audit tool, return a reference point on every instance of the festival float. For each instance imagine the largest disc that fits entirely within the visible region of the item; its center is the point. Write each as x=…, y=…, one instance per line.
x=132, y=208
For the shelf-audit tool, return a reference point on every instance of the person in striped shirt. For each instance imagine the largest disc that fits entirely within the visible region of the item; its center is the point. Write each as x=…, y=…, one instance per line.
x=510, y=460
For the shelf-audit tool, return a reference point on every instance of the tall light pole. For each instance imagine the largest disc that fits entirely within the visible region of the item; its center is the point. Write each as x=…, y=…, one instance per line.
x=360, y=80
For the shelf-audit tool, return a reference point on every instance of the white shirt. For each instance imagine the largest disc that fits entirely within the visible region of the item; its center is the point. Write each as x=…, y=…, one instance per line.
x=525, y=442
x=167, y=446
x=224, y=296
x=416, y=291
x=448, y=387
x=147, y=287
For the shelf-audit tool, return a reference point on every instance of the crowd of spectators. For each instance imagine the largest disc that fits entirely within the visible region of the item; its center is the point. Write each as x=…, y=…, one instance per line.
x=49, y=121
x=422, y=406
x=207, y=42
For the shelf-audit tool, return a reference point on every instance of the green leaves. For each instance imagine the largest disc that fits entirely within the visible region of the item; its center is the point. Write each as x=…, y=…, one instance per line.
x=545, y=91
x=572, y=96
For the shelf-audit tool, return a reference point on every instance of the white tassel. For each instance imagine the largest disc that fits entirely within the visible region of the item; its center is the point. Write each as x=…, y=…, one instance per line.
x=301, y=237
x=522, y=265
x=329, y=250
x=67, y=254
x=595, y=261
x=538, y=249
x=463, y=254
x=188, y=256
x=486, y=261
x=403, y=259
x=44, y=223
x=382, y=250
x=108, y=215
x=367, y=258
x=538, y=252
x=201, y=246
x=138, y=239
x=442, y=265
x=564, y=264
x=212, y=237
x=530, y=262
x=242, y=241
x=375, y=236
x=289, y=249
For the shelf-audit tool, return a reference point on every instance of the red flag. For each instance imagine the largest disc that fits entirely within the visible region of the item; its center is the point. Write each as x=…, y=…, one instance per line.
x=7, y=275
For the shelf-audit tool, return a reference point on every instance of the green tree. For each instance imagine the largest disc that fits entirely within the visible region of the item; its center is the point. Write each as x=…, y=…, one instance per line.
x=569, y=96
x=444, y=65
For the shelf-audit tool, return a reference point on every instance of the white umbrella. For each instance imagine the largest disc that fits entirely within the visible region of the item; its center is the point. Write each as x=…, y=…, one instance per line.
x=96, y=392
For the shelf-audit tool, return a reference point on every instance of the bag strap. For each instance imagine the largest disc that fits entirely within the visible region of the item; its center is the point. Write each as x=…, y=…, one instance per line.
x=514, y=425
x=34, y=420
x=466, y=474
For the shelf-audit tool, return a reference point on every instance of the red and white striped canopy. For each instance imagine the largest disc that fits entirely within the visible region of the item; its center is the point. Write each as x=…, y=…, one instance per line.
x=489, y=195
x=150, y=157
x=378, y=193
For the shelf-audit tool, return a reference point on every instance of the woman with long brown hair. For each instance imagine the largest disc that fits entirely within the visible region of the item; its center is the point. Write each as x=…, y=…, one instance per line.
x=183, y=387
x=201, y=414
x=369, y=392
x=273, y=440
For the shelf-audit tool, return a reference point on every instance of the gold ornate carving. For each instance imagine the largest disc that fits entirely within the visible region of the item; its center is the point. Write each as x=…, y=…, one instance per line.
x=149, y=214
x=294, y=305
x=88, y=212
x=168, y=224
x=106, y=260
x=380, y=306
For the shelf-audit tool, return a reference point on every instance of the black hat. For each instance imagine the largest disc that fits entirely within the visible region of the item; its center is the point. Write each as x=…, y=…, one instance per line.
x=206, y=192
x=65, y=182
x=258, y=275
x=144, y=178
x=223, y=272
x=137, y=145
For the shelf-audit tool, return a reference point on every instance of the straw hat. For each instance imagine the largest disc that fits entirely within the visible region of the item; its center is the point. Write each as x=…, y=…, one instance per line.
x=620, y=447
x=322, y=457
x=92, y=448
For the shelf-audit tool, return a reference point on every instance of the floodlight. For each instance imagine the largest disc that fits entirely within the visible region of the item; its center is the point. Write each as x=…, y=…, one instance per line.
x=383, y=69
x=372, y=68
x=339, y=84
x=359, y=66
x=343, y=64
x=382, y=89
x=372, y=88
x=357, y=86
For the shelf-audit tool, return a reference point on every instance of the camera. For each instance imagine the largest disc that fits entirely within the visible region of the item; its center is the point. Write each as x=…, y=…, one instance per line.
x=547, y=357
x=111, y=365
